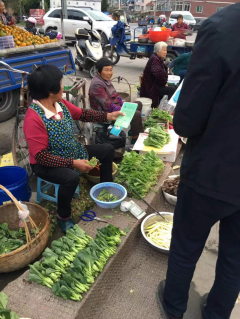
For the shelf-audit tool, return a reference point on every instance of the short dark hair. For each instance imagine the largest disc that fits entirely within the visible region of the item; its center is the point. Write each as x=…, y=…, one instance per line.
x=179, y=16
x=43, y=81
x=102, y=63
x=116, y=14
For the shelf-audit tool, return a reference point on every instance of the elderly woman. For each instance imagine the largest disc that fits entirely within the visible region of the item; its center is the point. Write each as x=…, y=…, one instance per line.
x=180, y=26
x=103, y=96
x=55, y=155
x=3, y=18
x=155, y=76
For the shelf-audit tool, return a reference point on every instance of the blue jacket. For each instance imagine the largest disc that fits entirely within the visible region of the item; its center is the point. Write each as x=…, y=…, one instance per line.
x=118, y=32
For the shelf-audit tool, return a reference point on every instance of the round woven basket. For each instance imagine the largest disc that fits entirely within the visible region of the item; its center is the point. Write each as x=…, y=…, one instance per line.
x=24, y=255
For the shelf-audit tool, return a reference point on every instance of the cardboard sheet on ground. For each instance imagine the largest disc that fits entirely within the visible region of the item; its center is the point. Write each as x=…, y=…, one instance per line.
x=129, y=109
x=166, y=153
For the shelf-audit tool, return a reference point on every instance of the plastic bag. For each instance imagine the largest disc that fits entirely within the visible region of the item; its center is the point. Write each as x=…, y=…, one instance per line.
x=165, y=106
x=163, y=103
x=103, y=136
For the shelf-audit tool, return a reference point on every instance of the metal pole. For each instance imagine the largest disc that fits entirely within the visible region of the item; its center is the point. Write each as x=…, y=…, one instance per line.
x=119, y=4
x=64, y=15
x=43, y=4
x=20, y=11
x=155, y=9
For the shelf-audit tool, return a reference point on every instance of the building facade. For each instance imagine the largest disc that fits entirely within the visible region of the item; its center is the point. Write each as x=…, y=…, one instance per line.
x=198, y=8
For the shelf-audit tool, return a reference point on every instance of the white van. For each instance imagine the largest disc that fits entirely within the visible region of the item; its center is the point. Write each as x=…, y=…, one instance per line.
x=187, y=17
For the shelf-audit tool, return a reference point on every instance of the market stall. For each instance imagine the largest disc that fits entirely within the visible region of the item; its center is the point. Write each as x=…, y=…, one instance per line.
x=122, y=281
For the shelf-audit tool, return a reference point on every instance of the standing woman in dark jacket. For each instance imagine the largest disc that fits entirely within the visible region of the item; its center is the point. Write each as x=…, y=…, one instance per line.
x=155, y=76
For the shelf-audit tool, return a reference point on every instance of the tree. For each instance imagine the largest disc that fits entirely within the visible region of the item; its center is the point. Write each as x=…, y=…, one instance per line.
x=30, y=4
x=104, y=6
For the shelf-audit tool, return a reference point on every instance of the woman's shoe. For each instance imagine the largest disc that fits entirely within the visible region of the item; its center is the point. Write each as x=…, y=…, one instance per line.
x=66, y=224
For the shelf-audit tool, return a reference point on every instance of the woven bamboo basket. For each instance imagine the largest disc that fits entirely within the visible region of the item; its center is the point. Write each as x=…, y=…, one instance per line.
x=26, y=254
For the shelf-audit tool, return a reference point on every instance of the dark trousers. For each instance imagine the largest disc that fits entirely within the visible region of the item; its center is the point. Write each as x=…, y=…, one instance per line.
x=166, y=90
x=136, y=123
x=69, y=179
x=194, y=216
x=182, y=74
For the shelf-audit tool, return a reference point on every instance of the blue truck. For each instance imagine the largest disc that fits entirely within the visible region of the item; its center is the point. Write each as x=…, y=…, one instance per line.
x=57, y=54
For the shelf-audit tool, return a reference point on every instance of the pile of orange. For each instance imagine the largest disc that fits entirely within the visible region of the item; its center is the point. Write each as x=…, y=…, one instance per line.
x=23, y=38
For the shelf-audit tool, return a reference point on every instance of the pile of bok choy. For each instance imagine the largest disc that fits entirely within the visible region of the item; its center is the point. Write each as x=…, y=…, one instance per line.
x=79, y=268
x=59, y=257
x=88, y=263
x=140, y=172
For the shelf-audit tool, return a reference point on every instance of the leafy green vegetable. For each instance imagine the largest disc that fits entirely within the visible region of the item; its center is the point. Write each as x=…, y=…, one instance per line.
x=140, y=172
x=93, y=162
x=75, y=260
x=161, y=115
x=4, y=312
x=150, y=122
x=59, y=258
x=106, y=196
x=3, y=300
x=157, y=137
x=11, y=240
x=157, y=116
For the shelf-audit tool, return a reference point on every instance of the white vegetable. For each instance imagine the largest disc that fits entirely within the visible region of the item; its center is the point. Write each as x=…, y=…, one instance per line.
x=160, y=233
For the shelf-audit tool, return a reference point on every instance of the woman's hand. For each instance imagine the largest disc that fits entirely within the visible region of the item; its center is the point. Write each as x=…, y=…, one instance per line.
x=114, y=115
x=82, y=166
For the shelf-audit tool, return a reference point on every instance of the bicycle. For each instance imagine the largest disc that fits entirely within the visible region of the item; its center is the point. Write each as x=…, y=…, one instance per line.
x=19, y=143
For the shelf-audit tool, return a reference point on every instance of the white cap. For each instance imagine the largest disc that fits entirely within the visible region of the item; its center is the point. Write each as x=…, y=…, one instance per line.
x=33, y=20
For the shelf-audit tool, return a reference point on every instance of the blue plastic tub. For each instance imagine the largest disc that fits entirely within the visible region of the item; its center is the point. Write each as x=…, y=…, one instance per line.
x=114, y=188
x=15, y=179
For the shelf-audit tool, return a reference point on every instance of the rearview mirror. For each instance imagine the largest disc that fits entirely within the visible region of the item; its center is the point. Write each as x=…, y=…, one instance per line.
x=86, y=18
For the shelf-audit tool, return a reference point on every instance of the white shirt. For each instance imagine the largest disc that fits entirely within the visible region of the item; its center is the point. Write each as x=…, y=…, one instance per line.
x=48, y=113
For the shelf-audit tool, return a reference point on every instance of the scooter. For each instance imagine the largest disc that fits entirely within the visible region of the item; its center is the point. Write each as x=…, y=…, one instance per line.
x=52, y=33
x=88, y=49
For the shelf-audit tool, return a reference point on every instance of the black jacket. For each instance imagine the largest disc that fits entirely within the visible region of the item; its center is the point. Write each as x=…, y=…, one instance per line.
x=208, y=110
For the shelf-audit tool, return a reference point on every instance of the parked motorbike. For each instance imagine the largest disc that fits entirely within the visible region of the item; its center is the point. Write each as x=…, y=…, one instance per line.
x=88, y=49
x=53, y=33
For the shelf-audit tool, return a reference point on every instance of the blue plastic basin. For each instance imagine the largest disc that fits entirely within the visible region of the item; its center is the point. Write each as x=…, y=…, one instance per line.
x=114, y=188
x=15, y=179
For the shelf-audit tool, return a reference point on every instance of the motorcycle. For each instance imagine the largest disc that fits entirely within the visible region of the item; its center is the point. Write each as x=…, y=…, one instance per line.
x=88, y=49
x=53, y=33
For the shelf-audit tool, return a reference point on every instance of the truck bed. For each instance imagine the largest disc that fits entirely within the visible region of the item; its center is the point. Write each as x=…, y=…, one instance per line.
x=58, y=55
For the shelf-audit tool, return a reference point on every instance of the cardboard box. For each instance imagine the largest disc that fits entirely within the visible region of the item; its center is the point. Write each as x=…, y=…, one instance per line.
x=167, y=153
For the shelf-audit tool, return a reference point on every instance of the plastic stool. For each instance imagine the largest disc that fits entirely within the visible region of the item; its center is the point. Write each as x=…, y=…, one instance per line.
x=41, y=191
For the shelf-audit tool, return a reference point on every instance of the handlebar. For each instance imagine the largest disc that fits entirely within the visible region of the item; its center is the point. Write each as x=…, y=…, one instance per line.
x=9, y=68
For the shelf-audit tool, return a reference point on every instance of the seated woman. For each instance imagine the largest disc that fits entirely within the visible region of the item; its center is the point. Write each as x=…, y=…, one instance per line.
x=103, y=96
x=55, y=155
x=155, y=76
x=179, y=65
x=180, y=26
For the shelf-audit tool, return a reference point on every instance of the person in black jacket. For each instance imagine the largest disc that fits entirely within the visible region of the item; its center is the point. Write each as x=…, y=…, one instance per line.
x=208, y=114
